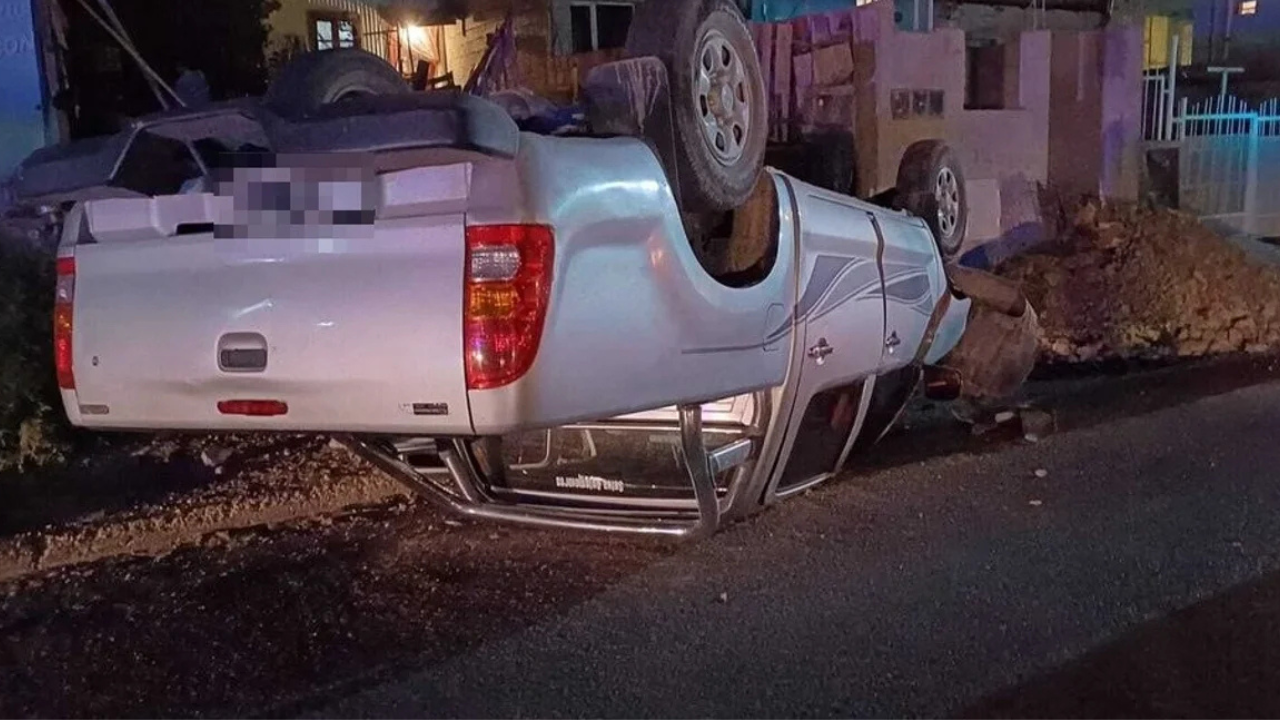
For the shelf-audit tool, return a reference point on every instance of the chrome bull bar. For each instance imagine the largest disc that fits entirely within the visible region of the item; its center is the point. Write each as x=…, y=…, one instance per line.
x=469, y=496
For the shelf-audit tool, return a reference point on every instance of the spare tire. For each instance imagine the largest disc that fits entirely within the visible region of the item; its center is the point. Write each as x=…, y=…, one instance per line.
x=315, y=79
x=931, y=186
x=718, y=103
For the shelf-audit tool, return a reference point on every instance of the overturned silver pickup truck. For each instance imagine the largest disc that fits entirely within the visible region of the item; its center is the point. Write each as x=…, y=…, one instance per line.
x=519, y=327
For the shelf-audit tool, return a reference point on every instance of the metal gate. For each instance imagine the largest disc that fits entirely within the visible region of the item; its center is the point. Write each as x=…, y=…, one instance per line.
x=1228, y=167
x=1229, y=163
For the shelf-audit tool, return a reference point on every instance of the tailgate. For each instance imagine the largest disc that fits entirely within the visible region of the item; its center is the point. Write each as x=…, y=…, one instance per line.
x=359, y=333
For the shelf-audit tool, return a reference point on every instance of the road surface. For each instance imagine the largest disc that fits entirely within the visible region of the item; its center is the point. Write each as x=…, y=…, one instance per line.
x=1125, y=566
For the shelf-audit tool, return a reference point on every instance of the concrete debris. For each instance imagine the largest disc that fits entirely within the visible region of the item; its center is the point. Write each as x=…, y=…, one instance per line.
x=1042, y=473
x=1139, y=283
x=214, y=456
x=1036, y=503
x=978, y=429
x=1037, y=424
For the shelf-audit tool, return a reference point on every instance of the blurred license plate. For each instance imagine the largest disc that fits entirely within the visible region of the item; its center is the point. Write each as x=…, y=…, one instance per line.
x=305, y=193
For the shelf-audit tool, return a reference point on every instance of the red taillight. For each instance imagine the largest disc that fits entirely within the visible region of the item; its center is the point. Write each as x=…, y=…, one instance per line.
x=253, y=408
x=507, y=289
x=63, y=321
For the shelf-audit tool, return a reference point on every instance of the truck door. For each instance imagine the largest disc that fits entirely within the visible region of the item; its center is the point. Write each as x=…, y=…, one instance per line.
x=840, y=316
x=913, y=280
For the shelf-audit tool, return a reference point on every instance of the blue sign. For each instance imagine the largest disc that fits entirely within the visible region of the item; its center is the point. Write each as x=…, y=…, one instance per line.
x=22, y=126
x=783, y=10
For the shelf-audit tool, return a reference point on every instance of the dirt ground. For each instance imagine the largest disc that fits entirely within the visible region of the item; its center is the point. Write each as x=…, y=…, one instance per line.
x=248, y=624
x=1131, y=282
x=145, y=496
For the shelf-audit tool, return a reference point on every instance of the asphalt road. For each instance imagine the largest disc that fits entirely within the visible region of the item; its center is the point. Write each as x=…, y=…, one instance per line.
x=965, y=585
x=1137, y=577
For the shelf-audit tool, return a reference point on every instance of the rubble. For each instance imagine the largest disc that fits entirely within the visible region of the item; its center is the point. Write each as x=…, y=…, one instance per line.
x=1036, y=424
x=1132, y=282
x=214, y=456
x=181, y=490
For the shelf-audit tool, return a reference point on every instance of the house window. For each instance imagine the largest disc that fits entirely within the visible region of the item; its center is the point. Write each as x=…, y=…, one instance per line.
x=329, y=32
x=985, y=81
x=599, y=25
x=1248, y=7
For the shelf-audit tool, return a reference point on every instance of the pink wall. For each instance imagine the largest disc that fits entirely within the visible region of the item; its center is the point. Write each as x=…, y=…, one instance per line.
x=1121, y=111
x=991, y=143
x=1075, y=112
x=933, y=61
x=996, y=143
x=1095, y=110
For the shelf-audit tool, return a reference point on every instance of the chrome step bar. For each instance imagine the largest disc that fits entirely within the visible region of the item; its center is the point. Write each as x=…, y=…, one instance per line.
x=468, y=495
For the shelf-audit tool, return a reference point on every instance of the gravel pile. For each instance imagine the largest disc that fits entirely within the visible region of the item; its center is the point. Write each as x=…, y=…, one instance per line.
x=1139, y=283
x=176, y=490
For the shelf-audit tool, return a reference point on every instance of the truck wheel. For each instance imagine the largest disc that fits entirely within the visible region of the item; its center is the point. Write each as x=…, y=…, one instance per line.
x=931, y=186
x=718, y=99
x=315, y=79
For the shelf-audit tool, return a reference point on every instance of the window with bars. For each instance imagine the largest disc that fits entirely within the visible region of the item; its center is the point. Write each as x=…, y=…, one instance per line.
x=329, y=32
x=599, y=25
x=1247, y=7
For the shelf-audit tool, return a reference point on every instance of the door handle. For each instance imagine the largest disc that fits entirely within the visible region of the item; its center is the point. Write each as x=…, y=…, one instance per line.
x=242, y=352
x=892, y=342
x=820, y=351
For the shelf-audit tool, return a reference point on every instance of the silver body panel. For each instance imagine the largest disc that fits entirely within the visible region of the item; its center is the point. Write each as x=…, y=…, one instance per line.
x=363, y=329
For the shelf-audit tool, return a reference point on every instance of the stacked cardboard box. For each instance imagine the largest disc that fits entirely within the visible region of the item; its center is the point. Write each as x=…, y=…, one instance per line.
x=815, y=68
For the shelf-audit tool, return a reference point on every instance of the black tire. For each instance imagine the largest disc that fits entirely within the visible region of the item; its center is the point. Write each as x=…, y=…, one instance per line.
x=315, y=79
x=714, y=174
x=929, y=171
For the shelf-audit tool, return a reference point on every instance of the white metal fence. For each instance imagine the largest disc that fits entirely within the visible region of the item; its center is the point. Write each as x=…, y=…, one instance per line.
x=1228, y=151
x=1159, y=91
x=1229, y=162
x=1157, y=110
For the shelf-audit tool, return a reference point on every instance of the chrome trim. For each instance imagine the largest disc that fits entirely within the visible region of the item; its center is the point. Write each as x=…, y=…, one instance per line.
x=488, y=508
x=731, y=456
x=864, y=405
x=474, y=499
x=812, y=482
x=602, y=501
x=650, y=426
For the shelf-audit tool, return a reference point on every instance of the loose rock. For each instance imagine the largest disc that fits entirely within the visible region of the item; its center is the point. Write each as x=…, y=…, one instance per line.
x=1037, y=423
x=1140, y=283
x=214, y=456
